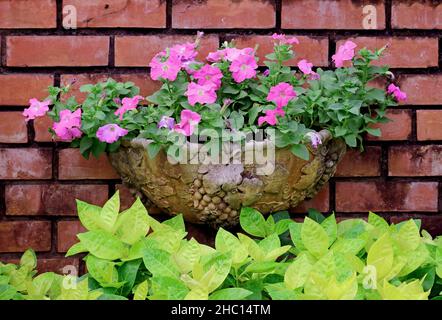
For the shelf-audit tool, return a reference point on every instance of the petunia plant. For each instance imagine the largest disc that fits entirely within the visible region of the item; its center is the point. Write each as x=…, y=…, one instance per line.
x=229, y=92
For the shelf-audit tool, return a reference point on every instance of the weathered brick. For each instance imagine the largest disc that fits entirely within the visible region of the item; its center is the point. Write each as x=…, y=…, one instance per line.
x=73, y=166
x=80, y=51
x=416, y=14
x=223, y=14
x=319, y=202
x=67, y=234
x=399, y=128
x=136, y=51
x=22, y=163
x=17, y=89
x=314, y=49
x=18, y=236
x=415, y=160
x=360, y=164
x=386, y=196
x=13, y=128
x=51, y=199
x=329, y=14
x=422, y=89
x=27, y=14
x=429, y=124
x=119, y=13
x=41, y=126
x=402, y=52
x=63, y=266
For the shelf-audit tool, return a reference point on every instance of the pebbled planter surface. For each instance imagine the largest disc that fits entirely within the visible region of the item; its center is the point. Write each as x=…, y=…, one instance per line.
x=214, y=194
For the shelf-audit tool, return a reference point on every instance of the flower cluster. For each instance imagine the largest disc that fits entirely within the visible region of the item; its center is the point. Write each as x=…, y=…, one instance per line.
x=226, y=90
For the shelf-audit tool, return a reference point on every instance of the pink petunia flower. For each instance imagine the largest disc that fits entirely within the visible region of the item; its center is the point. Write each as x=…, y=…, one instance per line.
x=270, y=116
x=266, y=72
x=284, y=40
x=281, y=94
x=36, y=109
x=397, y=93
x=306, y=68
x=345, y=52
x=200, y=93
x=165, y=67
x=184, y=52
x=216, y=56
x=209, y=75
x=166, y=122
x=314, y=138
x=110, y=133
x=189, y=120
x=128, y=104
x=68, y=128
x=243, y=67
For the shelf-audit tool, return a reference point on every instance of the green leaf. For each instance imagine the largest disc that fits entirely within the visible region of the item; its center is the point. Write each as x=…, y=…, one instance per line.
x=159, y=263
x=141, y=291
x=75, y=249
x=297, y=272
x=103, y=271
x=43, y=282
x=7, y=292
x=89, y=215
x=315, y=215
x=29, y=259
x=187, y=255
x=331, y=228
x=86, y=144
x=230, y=294
x=103, y=245
x=380, y=256
x=132, y=224
x=109, y=212
x=253, y=222
x=227, y=242
x=300, y=151
x=374, y=131
x=153, y=149
x=350, y=139
x=127, y=273
x=314, y=238
x=166, y=288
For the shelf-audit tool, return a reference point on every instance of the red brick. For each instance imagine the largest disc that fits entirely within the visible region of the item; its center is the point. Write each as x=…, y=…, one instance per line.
x=399, y=128
x=28, y=14
x=13, y=128
x=41, y=126
x=328, y=14
x=51, y=199
x=429, y=124
x=17, y=89
x=360, y=164
x=422, y=89
x=18, y=236
x=22, y=163
x=314, y=49
x=402, y=52
x=59, y=265
x=386, y=196
x=73, y=166
x=415, y=160
x=67, y=234
x=416, y=14
x=319, y=202
x=119, y=13
x=81, y=51
x=135, y=51
x=223, y=14
x=143, y=81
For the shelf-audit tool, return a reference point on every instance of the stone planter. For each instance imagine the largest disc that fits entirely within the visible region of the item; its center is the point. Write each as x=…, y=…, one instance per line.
x=214, y=194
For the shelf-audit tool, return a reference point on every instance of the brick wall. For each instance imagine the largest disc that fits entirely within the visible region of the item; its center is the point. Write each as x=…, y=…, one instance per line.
x=398, y=176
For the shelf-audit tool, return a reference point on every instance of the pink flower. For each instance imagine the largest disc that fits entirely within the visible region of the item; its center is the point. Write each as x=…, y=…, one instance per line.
x=270, y=116
x=216, y=56
x=345, y=52
x=184, y=52
x=243, y=67
x=189, y=120
x=128, y=104
x=209, y=75
x=110, y=133
x=166, y=122
x=233, y=53
x=315, y=138
x=165, y=67
x=68, y=128
x=191, y=66
x=281, y=94
x=200, y=93
x=397, y=93
x=36, y=109
x=306, y=68
x=266, y=72
x=284, y=40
